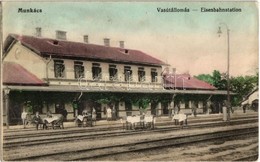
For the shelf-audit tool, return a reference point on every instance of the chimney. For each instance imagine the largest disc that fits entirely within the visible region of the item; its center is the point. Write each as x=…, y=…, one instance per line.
x=107, y=42
x=61, y=35
x=121, y=44
x=85, y=38
x=173, y=70
x=38, y=32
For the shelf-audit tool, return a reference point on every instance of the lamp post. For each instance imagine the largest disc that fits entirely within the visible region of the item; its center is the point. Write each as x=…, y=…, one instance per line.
x=6, y=97
x=228, y=80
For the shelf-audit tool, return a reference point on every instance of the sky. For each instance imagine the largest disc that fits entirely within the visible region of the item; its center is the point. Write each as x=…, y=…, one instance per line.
x=188, y=41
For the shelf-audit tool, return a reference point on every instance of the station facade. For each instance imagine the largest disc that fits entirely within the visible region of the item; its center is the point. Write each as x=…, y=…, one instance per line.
x=43, y=74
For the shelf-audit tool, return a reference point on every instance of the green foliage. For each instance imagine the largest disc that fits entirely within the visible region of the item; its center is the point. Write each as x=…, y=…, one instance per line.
x=205, y=77
x=103, y=101
x=219, y=81
x=106, y=98
x=142, y=103
x=241, y=85
x=216, y=79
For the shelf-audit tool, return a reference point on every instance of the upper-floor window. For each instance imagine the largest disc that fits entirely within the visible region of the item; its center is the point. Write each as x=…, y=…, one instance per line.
x=96, y=71
x=128, y=73
x=112, y=72
x=59, y=69
x=78, y=69
x=141, y=74
x=154, y=75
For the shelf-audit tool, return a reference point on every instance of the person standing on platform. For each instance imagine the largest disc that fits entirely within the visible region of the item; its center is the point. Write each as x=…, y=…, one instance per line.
x=24, y=118
x=176, y=109
x=113, y=113
x=64, y=113
x=109, y=113
x=94, y=115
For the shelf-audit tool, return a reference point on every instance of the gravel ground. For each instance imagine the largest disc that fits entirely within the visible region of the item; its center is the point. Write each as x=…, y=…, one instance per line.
x=206, y=151
x=158, y=155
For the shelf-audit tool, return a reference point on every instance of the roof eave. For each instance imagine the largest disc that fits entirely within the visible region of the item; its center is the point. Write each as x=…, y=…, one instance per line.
x=46, y=54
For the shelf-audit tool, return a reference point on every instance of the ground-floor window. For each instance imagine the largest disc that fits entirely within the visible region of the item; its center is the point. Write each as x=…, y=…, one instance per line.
x=165, y=109
x=128, y=108
x=59, y=107
x=153, y=108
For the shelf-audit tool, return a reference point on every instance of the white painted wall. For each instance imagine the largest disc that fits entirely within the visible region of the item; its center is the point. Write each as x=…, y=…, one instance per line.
x=253, y=97
x=87, y=81
x=28, y=59
x=200, y=104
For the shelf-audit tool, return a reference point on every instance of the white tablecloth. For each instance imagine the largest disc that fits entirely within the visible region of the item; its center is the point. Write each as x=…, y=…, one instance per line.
x=180, y=117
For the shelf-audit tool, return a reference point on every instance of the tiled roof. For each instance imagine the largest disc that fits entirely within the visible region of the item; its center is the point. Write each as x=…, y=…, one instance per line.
x=60, y=48
x=185, y=81
x=15, y=74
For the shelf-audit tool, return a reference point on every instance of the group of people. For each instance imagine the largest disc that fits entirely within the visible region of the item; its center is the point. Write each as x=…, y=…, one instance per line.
x=37, y=119
x=178, y=115
x=87, y=115
x=91, y=114
x=111, y=113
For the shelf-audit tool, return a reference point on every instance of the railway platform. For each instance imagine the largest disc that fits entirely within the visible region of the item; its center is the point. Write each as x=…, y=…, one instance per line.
x=206, y=137
x=161, y=120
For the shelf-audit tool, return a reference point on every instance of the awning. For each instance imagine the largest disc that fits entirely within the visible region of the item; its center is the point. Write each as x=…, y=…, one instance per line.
x=70, y=88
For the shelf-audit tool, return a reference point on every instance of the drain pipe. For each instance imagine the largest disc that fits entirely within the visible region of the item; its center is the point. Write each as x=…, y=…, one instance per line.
x=47, y=73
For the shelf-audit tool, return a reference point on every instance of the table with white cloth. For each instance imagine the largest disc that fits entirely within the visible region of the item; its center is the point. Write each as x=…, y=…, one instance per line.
x=51, y=121
x=179, y=118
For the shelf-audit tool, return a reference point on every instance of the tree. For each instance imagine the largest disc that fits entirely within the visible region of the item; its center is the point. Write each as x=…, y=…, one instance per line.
x=241, y=85
x=219, y=81
x=205, y=77
x=107, y=98
x=142, y=103
x=216, y=79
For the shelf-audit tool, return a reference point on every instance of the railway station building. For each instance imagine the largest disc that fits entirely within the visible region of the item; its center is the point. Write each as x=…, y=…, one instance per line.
x=44, y=74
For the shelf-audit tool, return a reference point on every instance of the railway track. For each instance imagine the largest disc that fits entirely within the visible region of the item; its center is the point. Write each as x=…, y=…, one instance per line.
x=248, y=158
x=27, y=140
x=144, y=145
x=12, y=134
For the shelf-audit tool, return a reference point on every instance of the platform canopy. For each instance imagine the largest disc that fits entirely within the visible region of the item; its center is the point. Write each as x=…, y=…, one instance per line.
x=70, y=88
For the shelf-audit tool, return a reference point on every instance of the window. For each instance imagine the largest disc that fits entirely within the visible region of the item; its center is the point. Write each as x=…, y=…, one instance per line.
x=154, y=75
x=112, y=72
x=78, y=69
x=59, y=68
x=37, y=108
x=128, y=73
x=96, y=71
x=141, y=74
x=59, y=107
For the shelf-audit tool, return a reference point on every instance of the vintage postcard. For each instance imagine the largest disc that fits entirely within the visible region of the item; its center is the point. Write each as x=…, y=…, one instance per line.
x=129, y=81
